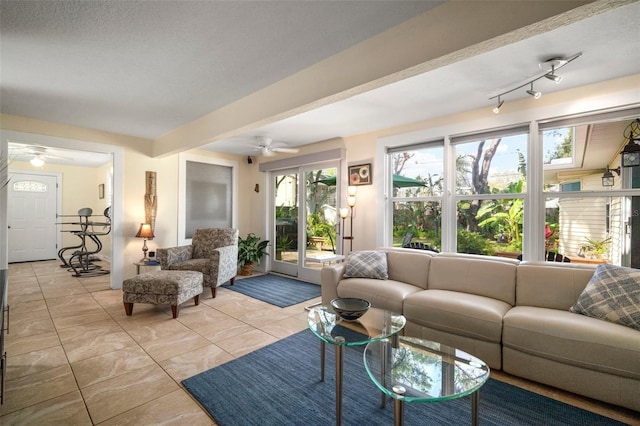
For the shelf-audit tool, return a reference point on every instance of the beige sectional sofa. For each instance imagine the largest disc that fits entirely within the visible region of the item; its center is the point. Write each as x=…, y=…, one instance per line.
x=513, y=315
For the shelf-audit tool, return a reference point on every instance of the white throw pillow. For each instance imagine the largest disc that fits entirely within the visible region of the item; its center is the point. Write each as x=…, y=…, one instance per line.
x=612, y=294
x=367, y=264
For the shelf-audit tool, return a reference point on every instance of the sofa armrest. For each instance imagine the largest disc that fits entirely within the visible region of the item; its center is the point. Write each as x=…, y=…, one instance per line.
x=225, y=263
x=330, y=276
x=169, y=256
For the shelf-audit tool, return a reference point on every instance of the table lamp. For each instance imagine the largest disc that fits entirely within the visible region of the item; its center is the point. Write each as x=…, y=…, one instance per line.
x=145, y=232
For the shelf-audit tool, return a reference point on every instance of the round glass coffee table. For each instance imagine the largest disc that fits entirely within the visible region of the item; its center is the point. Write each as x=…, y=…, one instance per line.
x=375, y=325
x=409, y=369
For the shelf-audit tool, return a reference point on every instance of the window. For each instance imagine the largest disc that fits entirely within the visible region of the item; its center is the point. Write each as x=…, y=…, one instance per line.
x=491, y=172
x=417, y=178
x=206, y=193
x=498, y=201
x=589, y=222
x=29, y=186
x=570, y=186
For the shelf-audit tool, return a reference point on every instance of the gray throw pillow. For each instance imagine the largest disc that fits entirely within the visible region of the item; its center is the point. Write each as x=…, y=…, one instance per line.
x=612, y=294
x=367, y=264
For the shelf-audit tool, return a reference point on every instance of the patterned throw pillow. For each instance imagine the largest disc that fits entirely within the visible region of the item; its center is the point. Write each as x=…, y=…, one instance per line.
x=612, y=294
x=367, y=264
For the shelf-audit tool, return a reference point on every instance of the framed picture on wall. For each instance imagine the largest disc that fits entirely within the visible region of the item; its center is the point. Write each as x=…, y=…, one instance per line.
x=101, y=191
x=360, y=174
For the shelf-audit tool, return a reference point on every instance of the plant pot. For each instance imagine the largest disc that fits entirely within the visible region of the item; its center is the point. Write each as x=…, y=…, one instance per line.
x=246, y=269
x=278, y=254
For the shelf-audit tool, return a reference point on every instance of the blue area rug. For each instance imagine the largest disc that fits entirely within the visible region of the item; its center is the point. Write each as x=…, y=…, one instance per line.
x=280, y=385
x=274, y=289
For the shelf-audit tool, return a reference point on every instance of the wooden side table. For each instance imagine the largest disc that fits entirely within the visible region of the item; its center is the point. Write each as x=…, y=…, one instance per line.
x=149, y=265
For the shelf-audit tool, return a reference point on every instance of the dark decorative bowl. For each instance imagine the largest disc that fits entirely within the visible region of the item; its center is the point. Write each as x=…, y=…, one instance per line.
x=350, y=308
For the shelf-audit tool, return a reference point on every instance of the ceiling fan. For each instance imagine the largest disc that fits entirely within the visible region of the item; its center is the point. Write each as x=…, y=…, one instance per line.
x=268, y=148
x=39, y=154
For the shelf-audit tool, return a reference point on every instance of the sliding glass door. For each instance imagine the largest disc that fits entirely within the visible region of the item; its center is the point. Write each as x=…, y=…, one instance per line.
x=305, y=218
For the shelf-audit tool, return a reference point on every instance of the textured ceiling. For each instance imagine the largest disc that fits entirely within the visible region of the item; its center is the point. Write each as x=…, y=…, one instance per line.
x=143, y=68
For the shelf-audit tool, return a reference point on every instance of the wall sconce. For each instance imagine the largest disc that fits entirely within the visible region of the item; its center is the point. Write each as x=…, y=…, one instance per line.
x=607, y=177
x=145, y=232
x=631, y=152
x=348, y=212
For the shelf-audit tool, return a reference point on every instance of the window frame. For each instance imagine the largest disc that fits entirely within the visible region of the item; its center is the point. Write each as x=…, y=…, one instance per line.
x=534, y=198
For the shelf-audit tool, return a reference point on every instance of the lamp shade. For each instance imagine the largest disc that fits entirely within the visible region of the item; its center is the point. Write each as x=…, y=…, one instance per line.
x=145, y=231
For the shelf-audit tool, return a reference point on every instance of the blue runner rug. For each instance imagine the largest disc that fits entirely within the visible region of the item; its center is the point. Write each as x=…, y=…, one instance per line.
x=280, y=385
x=274, y=289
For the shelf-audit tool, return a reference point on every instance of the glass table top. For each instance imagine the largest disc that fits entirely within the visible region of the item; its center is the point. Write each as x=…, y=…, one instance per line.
x=374, y=325
x=420, y=370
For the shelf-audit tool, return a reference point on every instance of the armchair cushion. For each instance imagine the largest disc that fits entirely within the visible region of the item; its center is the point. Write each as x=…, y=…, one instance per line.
x=206, y=241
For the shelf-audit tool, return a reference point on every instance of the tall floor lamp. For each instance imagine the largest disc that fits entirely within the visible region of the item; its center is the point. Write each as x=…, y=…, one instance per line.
x=348, y=212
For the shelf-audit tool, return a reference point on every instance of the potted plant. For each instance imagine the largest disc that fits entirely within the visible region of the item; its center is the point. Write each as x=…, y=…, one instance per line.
x=283, y=243
x=250, y=252
x=597, y=248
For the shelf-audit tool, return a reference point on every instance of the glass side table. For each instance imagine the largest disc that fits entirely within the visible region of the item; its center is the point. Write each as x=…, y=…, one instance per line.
x=375, y=325
x=409, y=369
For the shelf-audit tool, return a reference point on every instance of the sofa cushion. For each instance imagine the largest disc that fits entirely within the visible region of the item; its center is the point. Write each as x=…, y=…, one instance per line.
x=367, y=264
x=551, y=285
x=573, y=339
x=480, y=275
x=383, y=294
x=613, y=294
x=463, y=314
x=409, y=266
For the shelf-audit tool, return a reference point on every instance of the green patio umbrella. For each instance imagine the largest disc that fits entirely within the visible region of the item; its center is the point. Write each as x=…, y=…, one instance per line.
x=398, y=181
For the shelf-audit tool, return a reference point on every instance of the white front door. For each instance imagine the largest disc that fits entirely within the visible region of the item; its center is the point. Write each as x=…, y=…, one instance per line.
x=32, y=217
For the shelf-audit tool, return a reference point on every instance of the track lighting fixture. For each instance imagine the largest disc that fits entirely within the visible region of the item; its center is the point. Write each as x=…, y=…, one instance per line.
x=552, y=75
x=534, y=93
x=550, y=66
x=607, y=177
x=496, y=110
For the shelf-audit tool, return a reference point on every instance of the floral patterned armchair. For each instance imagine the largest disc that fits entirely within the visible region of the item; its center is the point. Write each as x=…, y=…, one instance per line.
x=214, y=252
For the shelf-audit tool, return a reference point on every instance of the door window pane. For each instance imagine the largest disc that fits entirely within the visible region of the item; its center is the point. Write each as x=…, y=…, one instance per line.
x=286, y=214
x=321, y=214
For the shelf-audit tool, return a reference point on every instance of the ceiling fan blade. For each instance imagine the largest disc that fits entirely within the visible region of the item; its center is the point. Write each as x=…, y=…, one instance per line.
x=287, y=150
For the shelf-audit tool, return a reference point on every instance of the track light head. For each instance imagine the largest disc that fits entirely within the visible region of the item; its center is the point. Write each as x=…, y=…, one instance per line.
x=552, y=75
x=534, y=93
x=496, y=110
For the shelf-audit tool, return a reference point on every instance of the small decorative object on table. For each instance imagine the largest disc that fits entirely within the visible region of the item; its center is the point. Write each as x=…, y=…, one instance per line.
x=350, y=308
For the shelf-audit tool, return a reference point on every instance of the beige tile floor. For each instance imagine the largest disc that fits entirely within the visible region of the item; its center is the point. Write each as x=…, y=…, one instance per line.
x=75, y=358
